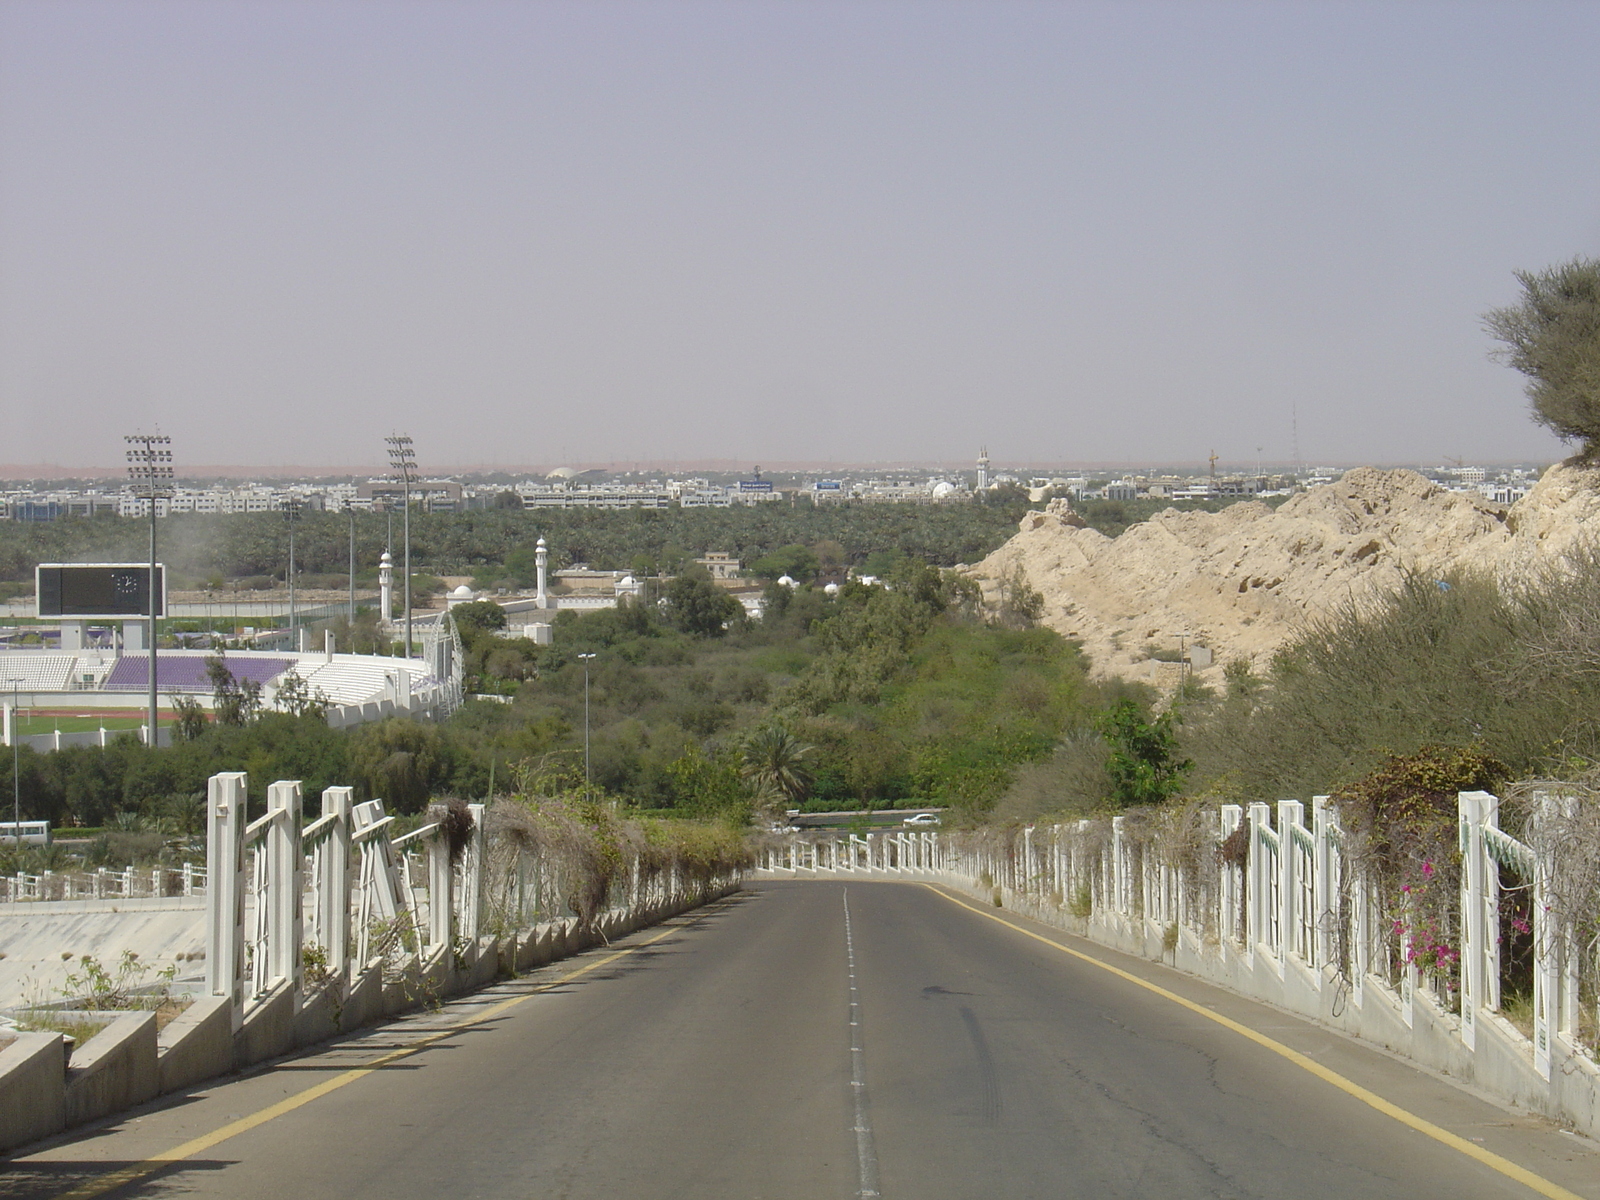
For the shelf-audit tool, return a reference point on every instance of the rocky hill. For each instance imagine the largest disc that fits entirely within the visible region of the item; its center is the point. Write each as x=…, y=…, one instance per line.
x=1240, y=582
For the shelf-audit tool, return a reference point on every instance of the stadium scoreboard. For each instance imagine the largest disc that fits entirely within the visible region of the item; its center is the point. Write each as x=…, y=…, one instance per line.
x=98, y=591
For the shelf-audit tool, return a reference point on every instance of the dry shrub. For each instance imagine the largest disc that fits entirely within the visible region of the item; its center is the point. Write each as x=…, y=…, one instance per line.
x=1560, y=820
x=581, y=856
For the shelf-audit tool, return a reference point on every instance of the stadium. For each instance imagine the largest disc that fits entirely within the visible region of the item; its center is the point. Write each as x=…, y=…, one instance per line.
x=77, y=688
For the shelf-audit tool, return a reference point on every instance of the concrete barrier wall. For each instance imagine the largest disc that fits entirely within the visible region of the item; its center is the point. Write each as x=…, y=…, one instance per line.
x=116, y=1069
x=33, y=1092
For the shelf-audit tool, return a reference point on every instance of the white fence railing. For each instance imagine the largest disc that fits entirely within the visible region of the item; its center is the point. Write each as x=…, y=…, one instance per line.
x=1272, y=905
x=129, y=883
x=303, y=908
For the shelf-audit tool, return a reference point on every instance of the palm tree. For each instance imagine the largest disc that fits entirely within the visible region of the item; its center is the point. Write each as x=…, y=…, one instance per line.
x=775, y=762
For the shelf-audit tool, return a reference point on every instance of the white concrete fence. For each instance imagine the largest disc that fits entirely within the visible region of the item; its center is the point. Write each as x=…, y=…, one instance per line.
x=313, y=928
x=1290, y=919
x=129, y=883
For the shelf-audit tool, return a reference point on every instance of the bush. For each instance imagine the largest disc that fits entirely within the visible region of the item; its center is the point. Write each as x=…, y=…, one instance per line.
x=1451, y=662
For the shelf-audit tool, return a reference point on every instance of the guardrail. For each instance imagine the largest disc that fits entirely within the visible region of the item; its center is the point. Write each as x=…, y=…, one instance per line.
x=1263, y=902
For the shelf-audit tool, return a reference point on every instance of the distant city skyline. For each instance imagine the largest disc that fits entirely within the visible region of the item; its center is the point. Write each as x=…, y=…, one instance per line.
x=571, y=233
x=114, y=475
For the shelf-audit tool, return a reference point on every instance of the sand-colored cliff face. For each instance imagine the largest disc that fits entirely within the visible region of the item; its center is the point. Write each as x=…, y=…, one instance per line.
x=1242, y=580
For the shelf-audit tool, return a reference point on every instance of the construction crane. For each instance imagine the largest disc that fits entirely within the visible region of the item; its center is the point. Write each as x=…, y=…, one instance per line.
x=1213, y=466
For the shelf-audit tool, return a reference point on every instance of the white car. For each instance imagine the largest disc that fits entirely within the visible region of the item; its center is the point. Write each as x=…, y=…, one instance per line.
x=922, y=819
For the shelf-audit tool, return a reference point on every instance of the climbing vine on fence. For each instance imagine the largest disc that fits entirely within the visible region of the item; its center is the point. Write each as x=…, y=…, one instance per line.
x=1400, y=826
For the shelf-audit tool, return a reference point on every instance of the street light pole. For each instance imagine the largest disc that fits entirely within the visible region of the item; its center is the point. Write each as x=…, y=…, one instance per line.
x=16, y=769
x=586, y=659
x=150, y=470
x=403, y=458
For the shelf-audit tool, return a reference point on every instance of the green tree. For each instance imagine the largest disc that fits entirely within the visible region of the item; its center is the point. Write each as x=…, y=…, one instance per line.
x=298, y=698
x=1552, y=335
x=699, y=607
x=705, y=784
x=1144, y=765
x=775, y=763
x=235, y=701
x=478, y=616
x=796, y=561
x=400, y=761
x=191, y=722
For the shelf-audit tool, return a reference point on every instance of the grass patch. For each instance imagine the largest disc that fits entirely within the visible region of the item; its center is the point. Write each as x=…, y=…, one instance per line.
x=1519, y=1011
x=82, y=723
x=63, y=1021
x=168, y=1011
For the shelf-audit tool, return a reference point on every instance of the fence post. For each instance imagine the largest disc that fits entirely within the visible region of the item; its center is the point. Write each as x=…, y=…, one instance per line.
x=1291, y=813
x=1472, y=813
x=1322, y=880
x=472, y=876
x=1119, y=868
x=1554, y=982
x=224, y=890
x=1026, y=881
x=1360, y=937
x=333, y=889
x=1256, y=885
x=286, y=869
x=441, y=888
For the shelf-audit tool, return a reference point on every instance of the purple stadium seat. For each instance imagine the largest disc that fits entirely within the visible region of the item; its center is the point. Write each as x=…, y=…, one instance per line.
x=187, y=672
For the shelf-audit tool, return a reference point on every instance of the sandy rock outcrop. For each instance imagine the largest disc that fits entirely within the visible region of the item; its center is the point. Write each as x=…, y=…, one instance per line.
x=1242, y=581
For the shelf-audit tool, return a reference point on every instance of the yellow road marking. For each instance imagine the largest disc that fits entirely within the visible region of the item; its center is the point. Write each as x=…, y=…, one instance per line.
x=1387, y=1107
x=138, y=1170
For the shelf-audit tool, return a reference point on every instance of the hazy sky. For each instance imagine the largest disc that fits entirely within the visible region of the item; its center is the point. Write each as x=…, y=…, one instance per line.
x=540, y=232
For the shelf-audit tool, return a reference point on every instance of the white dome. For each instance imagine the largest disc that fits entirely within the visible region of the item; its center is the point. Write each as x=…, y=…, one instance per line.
x=625, y=581
x=942, y=489
x=786, y=581
x=832, y=589
x=562, y=473
x=463, y=592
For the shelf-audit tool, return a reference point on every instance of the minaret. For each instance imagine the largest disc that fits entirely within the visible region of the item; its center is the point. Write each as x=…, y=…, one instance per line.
x=983, y=469
x=386, y=587
x=541, y=558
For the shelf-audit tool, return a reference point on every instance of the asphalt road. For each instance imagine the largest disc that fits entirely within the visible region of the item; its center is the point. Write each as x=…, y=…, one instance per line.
x=717, y=1057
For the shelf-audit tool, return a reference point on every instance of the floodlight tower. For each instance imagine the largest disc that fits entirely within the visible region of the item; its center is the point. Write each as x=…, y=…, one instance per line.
x=350, y=509
x=291, y=514
x=150, y=472
x=403, y=460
